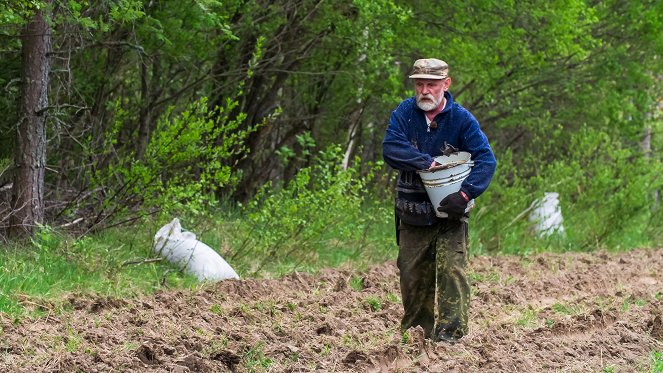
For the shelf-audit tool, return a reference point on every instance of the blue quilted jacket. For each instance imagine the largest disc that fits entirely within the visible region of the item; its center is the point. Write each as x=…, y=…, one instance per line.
x=410, y=145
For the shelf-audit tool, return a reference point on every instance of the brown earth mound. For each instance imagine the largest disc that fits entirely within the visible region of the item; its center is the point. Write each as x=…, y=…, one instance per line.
x=552, y=312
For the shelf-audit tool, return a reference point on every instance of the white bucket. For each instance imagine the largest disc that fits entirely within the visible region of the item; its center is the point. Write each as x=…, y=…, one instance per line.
x=440, y=181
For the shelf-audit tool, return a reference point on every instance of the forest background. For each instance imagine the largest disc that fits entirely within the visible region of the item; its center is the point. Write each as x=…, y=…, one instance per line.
x=259, y=124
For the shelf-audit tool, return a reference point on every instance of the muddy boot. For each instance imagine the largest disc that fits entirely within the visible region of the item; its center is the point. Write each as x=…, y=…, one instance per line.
x=449, y=333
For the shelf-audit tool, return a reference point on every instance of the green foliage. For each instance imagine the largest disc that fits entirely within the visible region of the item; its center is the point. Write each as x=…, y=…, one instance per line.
x=609, y=369
x=18, y=12
x=374, y=303
x=564, y=93
x=255, y=360
x=357, y=283
x=656, y=362
x=287, y=155
x=528, y=318
x=596, y=165
x=566, y=309
x=185, y=164
x=322, y=215
x=564, y=90
x=405, y=337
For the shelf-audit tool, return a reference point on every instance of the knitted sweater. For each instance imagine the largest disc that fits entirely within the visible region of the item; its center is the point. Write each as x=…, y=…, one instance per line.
x=410, y=145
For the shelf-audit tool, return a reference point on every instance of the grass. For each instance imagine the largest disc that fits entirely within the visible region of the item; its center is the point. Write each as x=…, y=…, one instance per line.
x=259, y=250
x=567, y=309
x=609, y=369
x=255, y=360
x=36, y=275
x=373, y=303
x=656, y=358
x=52, y=265
x=631, y=301
x=527, y=319
x=357, y=283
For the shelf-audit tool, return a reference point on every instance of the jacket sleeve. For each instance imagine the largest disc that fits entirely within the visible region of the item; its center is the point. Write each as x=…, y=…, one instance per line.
x=476, y=143
x=397, y=150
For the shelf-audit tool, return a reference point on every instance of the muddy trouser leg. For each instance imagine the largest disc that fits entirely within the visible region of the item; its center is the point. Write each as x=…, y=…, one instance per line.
x=416, y=262
x=453, y=287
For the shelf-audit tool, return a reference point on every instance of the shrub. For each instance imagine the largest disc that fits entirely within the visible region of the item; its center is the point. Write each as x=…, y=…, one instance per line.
x=323, y=214
x=186, y=163
x=606, y=195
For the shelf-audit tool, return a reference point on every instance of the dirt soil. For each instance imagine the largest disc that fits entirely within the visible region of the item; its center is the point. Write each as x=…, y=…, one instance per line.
x=554, y=312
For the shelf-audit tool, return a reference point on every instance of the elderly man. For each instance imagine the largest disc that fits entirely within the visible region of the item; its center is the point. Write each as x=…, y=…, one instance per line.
x=433, y=251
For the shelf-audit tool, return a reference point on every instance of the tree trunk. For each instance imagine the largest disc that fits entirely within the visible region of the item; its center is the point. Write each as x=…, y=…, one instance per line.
x=354, y=133
x=145, y=118
x=30, y=146
x=646, y=149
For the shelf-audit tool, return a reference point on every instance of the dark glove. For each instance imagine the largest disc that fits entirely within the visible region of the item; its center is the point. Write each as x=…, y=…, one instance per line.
x=454, y=204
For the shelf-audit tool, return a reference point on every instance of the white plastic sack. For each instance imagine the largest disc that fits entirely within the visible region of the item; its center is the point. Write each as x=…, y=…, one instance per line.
x=182, y=249
x=547, y=215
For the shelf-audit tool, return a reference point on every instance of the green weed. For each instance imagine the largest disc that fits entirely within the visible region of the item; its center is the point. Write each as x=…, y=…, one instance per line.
x=350, y=342
x=73, y=341
x=245, y=309
x=527, y=318
x=255, y=360
x=357, y=283
x=631, y=301
x=130, y=346
x=326, y=350
x=266, y=306
x=393, y=298
x=405, y=337
x=609, y=369
x=374, y=303
x=294, y=357
x=656, y=358
x=215, y=346
x=566, y=309
x=491, y=276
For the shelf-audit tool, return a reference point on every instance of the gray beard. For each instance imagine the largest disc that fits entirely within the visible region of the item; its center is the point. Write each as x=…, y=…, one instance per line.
x=428, y=105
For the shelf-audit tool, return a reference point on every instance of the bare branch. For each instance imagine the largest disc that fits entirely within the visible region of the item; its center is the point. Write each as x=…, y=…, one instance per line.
x=80, y=108
x=71, y=223
x=141, y=261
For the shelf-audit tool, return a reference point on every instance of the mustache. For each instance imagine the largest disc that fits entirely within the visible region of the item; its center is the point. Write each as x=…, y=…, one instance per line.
x=426, y=97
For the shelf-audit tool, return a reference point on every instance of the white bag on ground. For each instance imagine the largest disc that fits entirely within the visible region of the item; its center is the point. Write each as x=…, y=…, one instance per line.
x=547, y=215
x=182, y=249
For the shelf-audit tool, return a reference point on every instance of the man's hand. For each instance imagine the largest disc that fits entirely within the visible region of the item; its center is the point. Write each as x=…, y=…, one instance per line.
x=454, y=205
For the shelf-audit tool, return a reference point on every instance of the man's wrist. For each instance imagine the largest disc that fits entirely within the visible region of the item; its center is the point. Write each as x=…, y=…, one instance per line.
x=465, y=196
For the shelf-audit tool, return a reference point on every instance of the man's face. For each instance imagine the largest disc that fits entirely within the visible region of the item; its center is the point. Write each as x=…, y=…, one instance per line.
x=430, y=92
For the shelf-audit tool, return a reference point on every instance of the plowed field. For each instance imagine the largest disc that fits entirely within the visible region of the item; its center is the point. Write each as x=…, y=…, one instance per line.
x=597, y=312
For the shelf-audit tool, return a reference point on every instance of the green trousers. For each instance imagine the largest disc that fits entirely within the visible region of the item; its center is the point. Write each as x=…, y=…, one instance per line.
x=434, y=286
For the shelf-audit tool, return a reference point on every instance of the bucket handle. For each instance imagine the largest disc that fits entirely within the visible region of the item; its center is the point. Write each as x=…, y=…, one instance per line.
x=448, y=165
